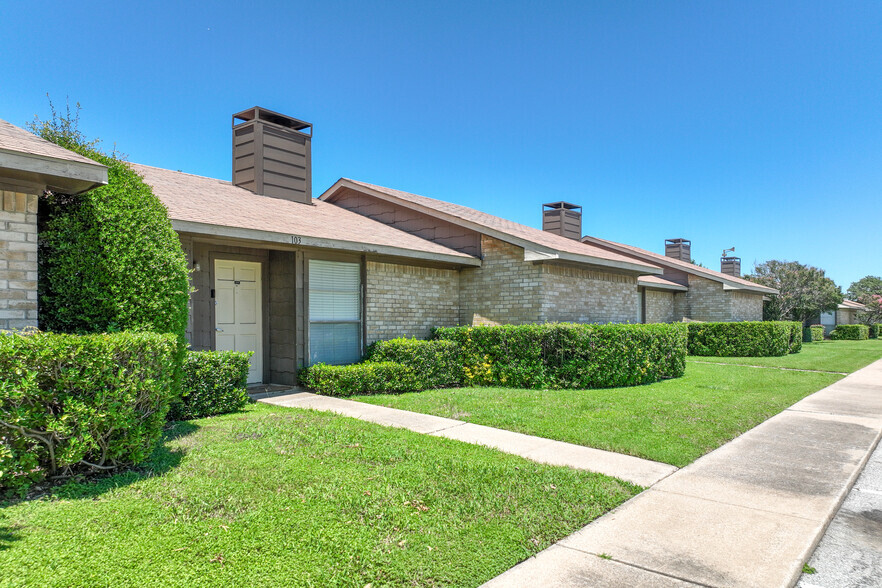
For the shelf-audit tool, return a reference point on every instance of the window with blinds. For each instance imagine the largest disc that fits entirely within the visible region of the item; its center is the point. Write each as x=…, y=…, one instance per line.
x=334, y=312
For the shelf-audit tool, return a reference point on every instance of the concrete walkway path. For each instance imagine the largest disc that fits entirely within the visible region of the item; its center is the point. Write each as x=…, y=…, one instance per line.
x=633, y=469
x=748, y=514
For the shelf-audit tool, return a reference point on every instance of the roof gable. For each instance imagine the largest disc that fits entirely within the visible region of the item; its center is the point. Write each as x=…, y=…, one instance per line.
x=206, y=205
x=729, y=282
x=539, y=245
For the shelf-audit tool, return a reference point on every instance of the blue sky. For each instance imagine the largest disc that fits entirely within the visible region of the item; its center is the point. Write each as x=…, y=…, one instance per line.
x=749, y=124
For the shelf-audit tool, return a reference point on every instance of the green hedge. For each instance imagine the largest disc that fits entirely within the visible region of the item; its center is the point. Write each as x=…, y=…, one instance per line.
x=853, y=332
x=813, y=333
x=213, y=383
x=87, y=403
x=795, y=336
x=740, y=339
x=436, y=362
x=563, y=355
x=361, y=378
x=874, y=330
x=109, y=259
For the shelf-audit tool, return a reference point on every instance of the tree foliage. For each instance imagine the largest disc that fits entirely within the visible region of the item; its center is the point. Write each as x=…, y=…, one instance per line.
x=868, y=291
x=804, y=291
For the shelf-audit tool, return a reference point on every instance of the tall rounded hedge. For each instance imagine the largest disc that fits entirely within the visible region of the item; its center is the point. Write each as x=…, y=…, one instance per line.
x=110, y=260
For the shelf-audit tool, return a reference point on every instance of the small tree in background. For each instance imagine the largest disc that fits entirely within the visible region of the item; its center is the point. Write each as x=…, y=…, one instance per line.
x=868, y=291
x=109, y=259
x=804, y=291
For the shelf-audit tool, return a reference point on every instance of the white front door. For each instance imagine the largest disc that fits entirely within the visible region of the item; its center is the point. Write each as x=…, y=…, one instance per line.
x=237, y=312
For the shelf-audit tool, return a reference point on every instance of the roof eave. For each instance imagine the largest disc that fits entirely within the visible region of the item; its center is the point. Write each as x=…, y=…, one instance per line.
x=540, y=252
x=213, y=230
x=656, y=286
x=71, y=177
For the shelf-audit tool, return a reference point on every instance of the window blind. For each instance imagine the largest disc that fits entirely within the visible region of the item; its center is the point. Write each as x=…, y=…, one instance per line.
x=334, y=312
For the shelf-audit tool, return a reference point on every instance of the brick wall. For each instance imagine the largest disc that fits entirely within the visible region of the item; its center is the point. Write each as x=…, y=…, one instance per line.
x=578, y=295
x=283, y=339
x=408, y=301
x=747, y=306
x=846, y=317
x=505, y=290
x=18, y=260
x=660, y=306
x=707, y=301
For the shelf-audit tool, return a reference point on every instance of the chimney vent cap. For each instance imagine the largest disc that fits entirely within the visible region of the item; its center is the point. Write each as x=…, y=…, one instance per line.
x=275, y=118
x=562, y=205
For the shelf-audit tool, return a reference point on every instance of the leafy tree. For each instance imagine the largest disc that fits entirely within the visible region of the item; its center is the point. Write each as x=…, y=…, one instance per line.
x=868, y=291
x=804, y=291
x=109, y=259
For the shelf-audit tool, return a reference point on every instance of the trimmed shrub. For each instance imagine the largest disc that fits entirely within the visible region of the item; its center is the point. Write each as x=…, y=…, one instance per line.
x=87, y=403
x=563, y=355
x=213, y=382
x=740, y=339
x=813, y=333
x=109, y=259
x=437, y=362
x=874, y=330
x=795, y=336
x=851, y=332
x=361, y=378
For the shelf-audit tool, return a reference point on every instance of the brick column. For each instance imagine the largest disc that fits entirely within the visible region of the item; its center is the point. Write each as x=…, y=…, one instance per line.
x=18, y=260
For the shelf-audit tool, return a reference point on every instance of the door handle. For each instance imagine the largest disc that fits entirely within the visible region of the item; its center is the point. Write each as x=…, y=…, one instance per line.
x=218, y=330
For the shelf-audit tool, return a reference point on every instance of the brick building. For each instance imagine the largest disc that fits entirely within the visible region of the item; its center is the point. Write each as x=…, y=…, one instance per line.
x=299, y=280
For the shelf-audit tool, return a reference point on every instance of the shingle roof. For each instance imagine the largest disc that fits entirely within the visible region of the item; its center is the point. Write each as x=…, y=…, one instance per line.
x=207, y=201
x=500, y=227
x=662, y=260
x=852, y=305
x=17, y=140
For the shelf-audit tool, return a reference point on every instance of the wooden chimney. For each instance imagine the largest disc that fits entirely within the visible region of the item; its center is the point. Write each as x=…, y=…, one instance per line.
x=679, y=249
x=562, y=218
x=272, y=154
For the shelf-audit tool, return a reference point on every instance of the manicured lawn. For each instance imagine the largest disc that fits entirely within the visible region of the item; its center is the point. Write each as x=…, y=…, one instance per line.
x=832, y=356
x=674, y=421
x=282, y=497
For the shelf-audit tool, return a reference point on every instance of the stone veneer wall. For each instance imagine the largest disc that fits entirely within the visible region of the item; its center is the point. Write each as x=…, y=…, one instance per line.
x=505, y=290
x=578, y=295
x=747, y=306
x=18, y=260
x=660, y=306
x=408, y=301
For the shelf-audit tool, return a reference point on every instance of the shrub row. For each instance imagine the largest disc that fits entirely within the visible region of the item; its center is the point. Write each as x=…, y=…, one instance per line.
x=854, y=332
x=875, y=329
x=73, y=403
x=565, y=355
x=813, y=333
x=213, y=382
x=742, y=339
x=436, y=362
x=361, y=378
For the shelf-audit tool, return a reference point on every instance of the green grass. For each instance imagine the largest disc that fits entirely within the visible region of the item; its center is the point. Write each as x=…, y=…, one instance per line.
x=286, y=497
x=673, y=421
x=831, y=356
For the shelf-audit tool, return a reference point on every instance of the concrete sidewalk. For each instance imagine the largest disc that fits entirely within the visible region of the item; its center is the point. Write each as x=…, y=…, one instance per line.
x=748, y=514
x=633, y=469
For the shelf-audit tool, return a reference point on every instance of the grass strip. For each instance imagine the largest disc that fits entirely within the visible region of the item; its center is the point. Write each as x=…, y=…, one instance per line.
x=288, y=497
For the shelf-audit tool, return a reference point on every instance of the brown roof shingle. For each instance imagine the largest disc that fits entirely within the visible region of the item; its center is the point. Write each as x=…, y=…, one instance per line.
x=685, y=266
x=466, y=216
x=17, y=140
x=208, y=201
